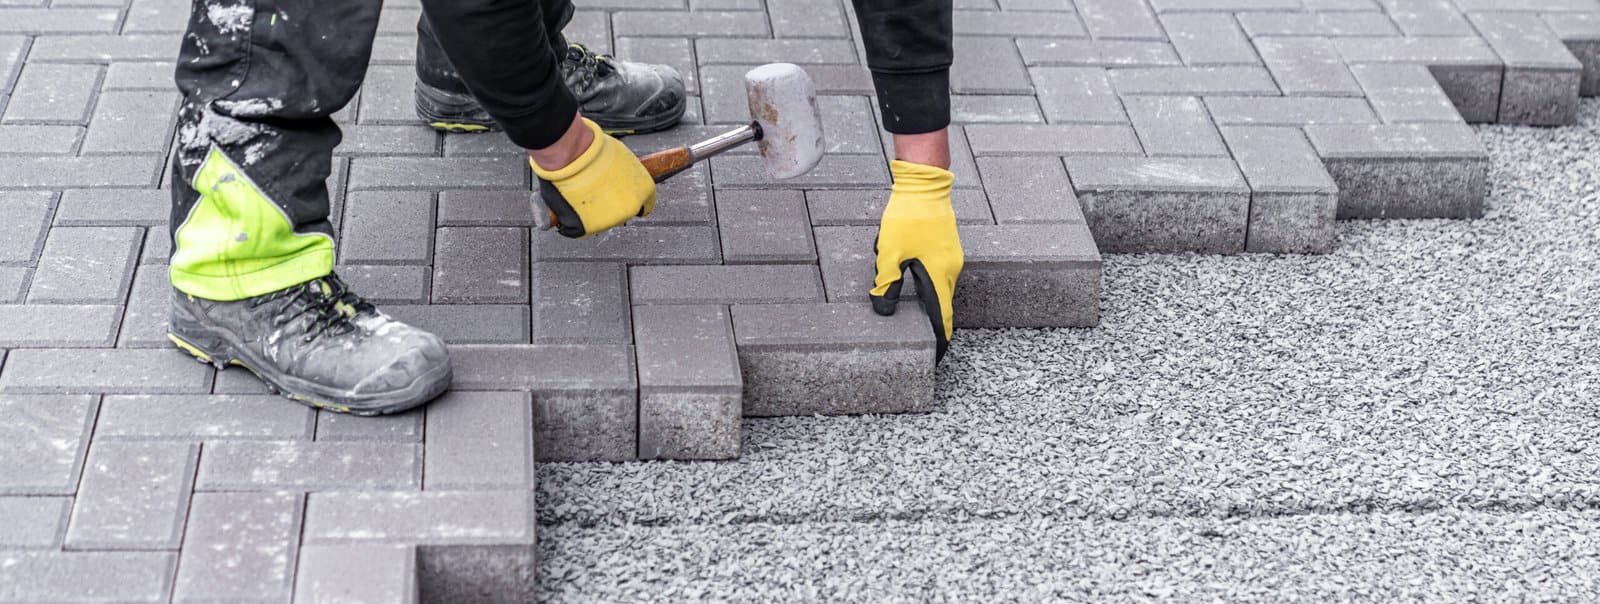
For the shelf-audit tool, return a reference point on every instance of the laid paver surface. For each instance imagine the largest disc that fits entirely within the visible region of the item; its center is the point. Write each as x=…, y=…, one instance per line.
x=1422, y=383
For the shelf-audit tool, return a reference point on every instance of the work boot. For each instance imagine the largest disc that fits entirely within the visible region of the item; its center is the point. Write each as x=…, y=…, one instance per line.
x=319, y=344
x=621, y=96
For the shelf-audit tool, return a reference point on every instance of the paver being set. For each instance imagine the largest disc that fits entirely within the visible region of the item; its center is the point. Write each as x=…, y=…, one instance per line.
x=132, y=473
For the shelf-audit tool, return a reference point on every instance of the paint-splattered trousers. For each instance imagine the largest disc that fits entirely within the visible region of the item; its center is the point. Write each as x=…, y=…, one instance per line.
x=260, y=80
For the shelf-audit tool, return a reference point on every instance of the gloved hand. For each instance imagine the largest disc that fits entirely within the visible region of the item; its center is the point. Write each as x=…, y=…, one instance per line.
x=918, y=233
x=601, y=189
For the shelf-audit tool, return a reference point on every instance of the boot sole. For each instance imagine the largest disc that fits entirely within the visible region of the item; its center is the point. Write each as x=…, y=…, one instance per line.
x=455, y=113
x=218, y=352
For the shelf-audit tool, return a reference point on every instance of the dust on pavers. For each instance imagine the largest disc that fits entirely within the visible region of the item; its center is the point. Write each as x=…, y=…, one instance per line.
x=47, y=437
x=240, y=547
x=357, y=573
x=134, y=495
x=690, y=385
x=195, y=417
x=468, y=542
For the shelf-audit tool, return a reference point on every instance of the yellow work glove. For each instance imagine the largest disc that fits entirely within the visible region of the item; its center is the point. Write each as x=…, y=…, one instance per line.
x=601, y=189
x=918, y=233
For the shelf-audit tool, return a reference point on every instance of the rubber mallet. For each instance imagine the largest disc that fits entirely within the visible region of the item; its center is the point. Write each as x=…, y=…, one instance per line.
x=784, y=123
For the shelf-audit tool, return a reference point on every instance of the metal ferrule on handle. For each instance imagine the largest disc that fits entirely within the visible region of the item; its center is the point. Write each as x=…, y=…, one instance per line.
x=725, y=141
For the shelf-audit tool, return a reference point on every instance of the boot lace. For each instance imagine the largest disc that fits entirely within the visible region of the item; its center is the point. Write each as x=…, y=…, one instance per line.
x=328, y=301
x=589, y=66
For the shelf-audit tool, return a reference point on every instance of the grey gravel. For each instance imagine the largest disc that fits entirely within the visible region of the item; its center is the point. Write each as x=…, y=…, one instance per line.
x=1410, y=416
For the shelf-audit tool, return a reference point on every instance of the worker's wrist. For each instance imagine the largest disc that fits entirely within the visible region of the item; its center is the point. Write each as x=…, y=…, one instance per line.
x=577, y=139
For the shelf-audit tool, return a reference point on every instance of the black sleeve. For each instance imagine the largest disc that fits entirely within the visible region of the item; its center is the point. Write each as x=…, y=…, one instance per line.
x=503, y=52
x=909, y=52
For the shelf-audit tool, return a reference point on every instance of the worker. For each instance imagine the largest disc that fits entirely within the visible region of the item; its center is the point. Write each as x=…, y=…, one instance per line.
x=253, y=248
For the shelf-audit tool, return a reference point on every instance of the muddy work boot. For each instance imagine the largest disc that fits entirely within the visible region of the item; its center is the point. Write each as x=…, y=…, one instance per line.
x=622, y=96
x=319, y=344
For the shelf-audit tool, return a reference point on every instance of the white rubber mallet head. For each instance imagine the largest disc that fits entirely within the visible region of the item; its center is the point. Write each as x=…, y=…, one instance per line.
x=783, y=103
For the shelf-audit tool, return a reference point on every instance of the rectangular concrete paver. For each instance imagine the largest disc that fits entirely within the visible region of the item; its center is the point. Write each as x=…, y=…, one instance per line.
x=690, y=387
x=302, y=465
x=133, y=496
x=585, y=396
x=240, y=547
x=86, y=576
x=46, y=438
x=800, y=359
x=357, y=573
x=1443, y=167
x=194, y=417
x=1138, y=204
x=479, y=440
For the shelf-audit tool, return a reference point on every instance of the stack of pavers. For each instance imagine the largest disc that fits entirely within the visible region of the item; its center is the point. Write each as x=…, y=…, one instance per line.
x=131, y=473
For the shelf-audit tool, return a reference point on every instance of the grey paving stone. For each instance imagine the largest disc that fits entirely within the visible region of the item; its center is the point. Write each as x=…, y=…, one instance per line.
x=402, y=427
x=1293, y=200
x=1328, y=24
x=1423, y=18
x=53, y=93
x=133, y=496
x=157, y=247
x=802, y=51
x=387, y=227
x=984, y=67
x=1177, y=126
x=418, y=517
x=685, y=200
x=834, y=172
x=1169, y=6
x=1542, y=78
x=238, y=382
x=1237, y=79
x=723, y=24
x=1581, y=33
x=481, y=265
x=807, y=19
x=1029, y=189
x=1077, y=94
x=240, y=547
x=1098, y=53
x=1307, y=67
x=486, y=208
x=45, y=439
x=12, y=50
x=114, y=207
x=986, y=108
x=24, y=223
x=689, y=382
x=237, y=465
x=388, y=284
x=848, y=263
x=1478, y=6
x=841, y=208
x=144, y=322
x=592, y=28
x=118, y=371
x=102, y=49
x=1119, y=19
x=435, y=174
x=140, y=75
x=732, y=284
x=479, y=143
x=585, y=397
x=33, y=522
x=467, y=323
x=387, y=96
x=206, y=417
x=580, y=303
x=804, y=359
x=1162, y=204
x=39, y=139
x=1404, y=170
x=675, y=52
x=131, y=121
x=357, y=573
x=479, y=440
x=1404, y=93
x=1035, y=275
x=13, y=283
x=87, y=576
x=1289, y=111
x=764, y=227
x=89, y=265
x=633, y=245
x=1465, y=67
x=1343, y=6
x=59, y=20
x=58, y=326
x=1054, y=139
x=55, y=172
x=1018, y=24
x=1209, y=39
x=415, y=139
